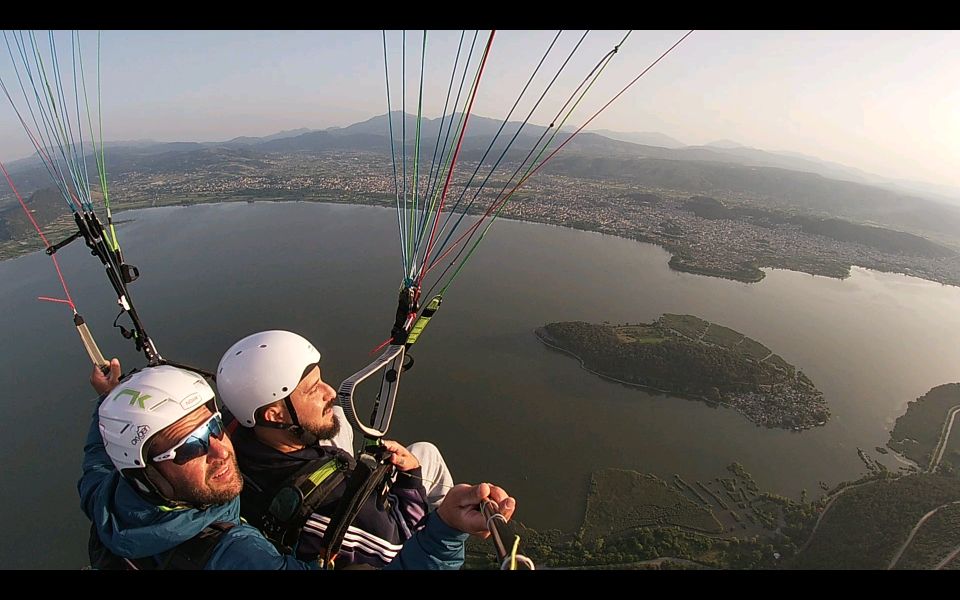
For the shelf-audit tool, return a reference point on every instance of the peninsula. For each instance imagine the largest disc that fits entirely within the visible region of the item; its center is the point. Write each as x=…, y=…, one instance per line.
x=682, y=355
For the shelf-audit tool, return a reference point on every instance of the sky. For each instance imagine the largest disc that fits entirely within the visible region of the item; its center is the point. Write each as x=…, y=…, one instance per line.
x=885, y=102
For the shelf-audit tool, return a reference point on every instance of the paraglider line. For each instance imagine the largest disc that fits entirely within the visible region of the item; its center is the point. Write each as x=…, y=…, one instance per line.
x=56, y=263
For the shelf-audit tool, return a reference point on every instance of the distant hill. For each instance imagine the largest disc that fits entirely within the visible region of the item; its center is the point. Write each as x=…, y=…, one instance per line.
x=646, y=138
x=792, y=161
x=430, y=128
x=790, y=182
x=726, y=144
x=788, y=191
x=249, y=141
x=885, y=240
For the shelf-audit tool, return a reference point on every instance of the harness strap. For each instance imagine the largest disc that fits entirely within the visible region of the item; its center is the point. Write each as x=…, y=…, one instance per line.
x=283, y=515
x=194, y=554
x=370, y=474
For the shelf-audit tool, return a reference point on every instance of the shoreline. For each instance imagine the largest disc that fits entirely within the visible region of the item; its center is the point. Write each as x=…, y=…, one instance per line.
x=551, y=343
x=675, y=263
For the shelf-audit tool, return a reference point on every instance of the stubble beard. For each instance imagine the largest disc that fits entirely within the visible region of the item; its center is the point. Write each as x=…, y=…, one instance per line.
x=326, y=432
x=226, y=491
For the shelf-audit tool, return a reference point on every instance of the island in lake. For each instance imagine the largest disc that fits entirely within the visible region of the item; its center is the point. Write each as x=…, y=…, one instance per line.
x=685, y=356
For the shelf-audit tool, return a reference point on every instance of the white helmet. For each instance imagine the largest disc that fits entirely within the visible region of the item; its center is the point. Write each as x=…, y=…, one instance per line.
x=142, y=405
x=261, y=369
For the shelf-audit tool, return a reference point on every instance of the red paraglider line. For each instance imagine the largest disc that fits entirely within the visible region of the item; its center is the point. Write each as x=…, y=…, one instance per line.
x=381, y=346
x=69, y=300
x=453, y=163
x=552, y=154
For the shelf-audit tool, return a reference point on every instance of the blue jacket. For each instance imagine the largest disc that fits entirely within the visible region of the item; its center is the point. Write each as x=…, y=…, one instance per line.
x=131, y=526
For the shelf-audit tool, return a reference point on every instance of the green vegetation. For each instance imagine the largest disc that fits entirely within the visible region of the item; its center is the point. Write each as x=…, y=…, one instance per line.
x=48, y=209
x=722, y=336
x=753, y=349
x=937, y=538
x=918, y=431
x=636, y=521
x=686, y=325
x=687, y=356
x=950, y=463
x=866, y=525
x=778, y=362
x=745, y=272
x=620, y=501
x=684, y=486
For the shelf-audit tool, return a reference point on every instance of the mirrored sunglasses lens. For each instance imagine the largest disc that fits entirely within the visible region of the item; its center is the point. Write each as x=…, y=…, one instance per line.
x=190, y=450
x=215, y=427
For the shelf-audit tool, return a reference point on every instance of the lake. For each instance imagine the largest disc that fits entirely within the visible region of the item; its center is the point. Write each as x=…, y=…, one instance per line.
x=501, y=406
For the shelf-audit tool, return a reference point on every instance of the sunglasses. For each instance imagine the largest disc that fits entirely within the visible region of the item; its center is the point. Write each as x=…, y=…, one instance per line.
x=196, y=444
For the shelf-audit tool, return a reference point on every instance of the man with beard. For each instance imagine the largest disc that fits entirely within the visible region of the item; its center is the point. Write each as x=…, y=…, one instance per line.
x=160, y=485
x=272, y=384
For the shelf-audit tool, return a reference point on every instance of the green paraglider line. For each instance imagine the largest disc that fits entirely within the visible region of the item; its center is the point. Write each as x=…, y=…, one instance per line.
x=453, y=143
x=468, y=235
x=79, y=178
x=560, y=147
x=53, y=108
x=74, y=49
x=506, y=149
x=441, y=164
x=45, y=159
x=453, y=164
x=443, y=120
x=416, y=152
x=393, y=158
x=48, y=124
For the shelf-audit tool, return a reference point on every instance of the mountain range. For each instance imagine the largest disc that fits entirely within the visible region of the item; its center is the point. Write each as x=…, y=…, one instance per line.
x=791, y=181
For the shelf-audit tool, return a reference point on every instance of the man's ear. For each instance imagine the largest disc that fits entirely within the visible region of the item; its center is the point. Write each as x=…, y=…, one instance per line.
x=275, y=414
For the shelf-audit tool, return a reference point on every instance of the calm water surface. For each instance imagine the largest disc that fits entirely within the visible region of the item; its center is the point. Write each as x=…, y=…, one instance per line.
x=500, y=405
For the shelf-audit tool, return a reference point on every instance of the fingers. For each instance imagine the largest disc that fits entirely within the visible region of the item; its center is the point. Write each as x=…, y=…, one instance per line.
x=115, y=371
x=95, y=376
x=461, y=508
x=503, y=503
x=498, y=494
x=506, y=503
x=508, y=507
x=400, y=456
x=103, y=382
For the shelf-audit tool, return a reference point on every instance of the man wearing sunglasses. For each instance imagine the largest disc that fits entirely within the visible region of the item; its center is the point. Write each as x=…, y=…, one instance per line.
x=161, y=485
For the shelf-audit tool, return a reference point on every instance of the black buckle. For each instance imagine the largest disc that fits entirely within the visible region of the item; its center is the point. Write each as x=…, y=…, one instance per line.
x=129, y=273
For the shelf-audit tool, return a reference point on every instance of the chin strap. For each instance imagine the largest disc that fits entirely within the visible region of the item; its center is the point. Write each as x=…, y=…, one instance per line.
x=306, y=438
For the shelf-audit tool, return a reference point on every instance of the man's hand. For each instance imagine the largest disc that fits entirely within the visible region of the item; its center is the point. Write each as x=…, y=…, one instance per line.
x=400, y=456
x=461, y=507
x=104, y=383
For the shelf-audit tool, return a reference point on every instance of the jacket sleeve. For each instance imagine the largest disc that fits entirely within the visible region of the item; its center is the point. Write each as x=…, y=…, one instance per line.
x=97, y=467
x=412, y=504
x=436, y=546
x=243, y=547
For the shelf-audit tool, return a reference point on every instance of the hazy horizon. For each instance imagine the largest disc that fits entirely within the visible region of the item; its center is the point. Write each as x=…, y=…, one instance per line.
x=879, y=101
